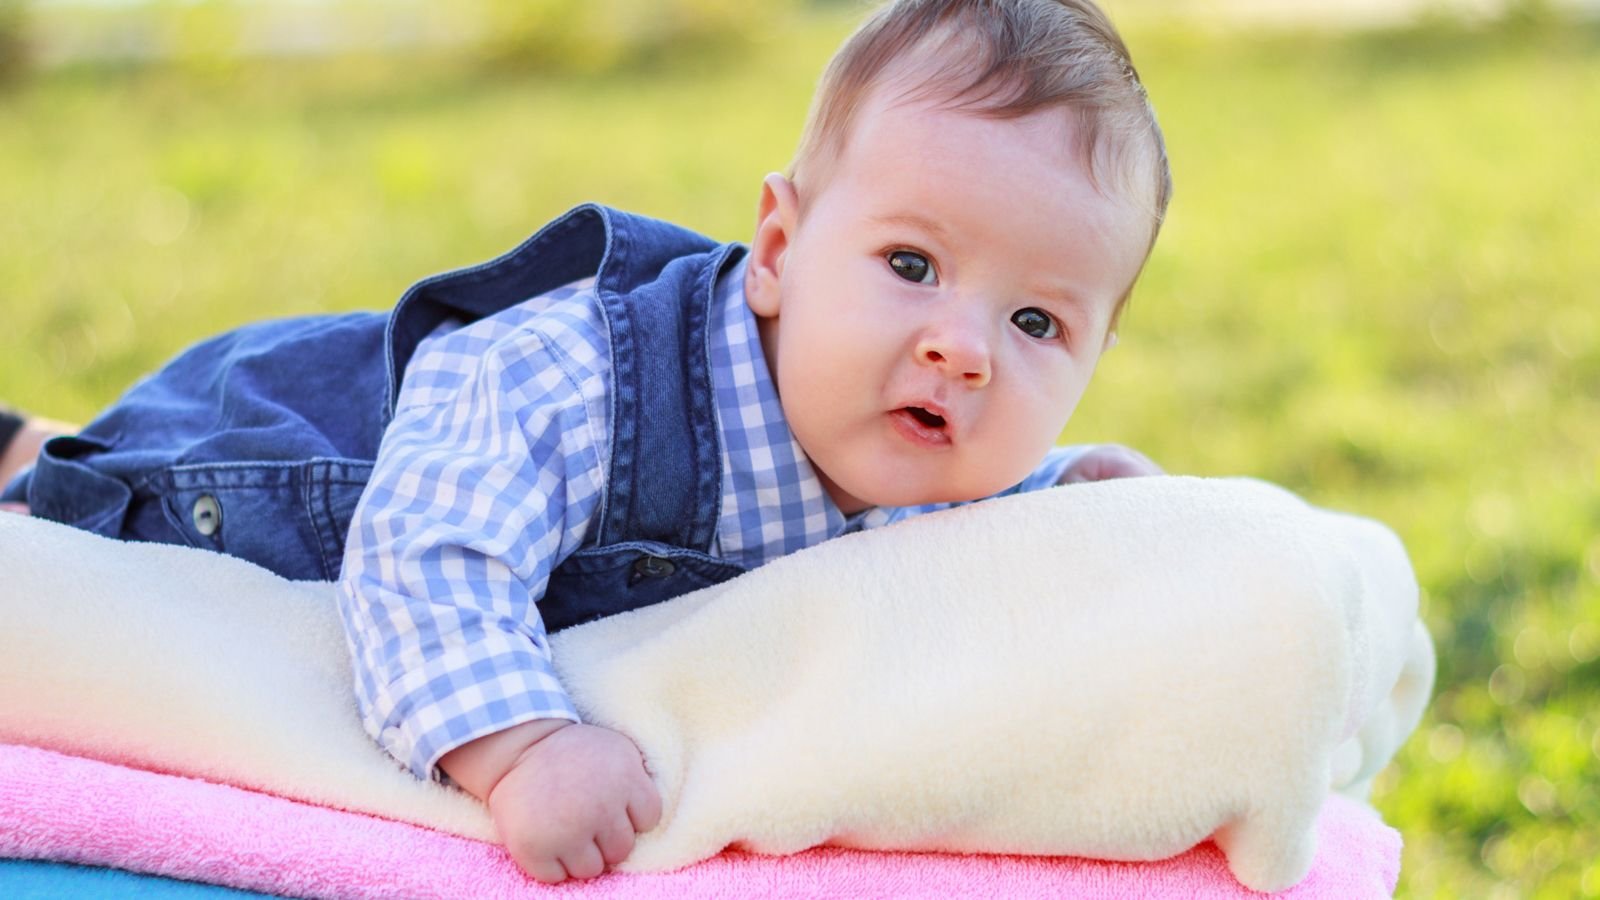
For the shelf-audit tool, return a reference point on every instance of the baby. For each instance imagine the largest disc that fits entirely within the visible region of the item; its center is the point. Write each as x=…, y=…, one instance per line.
x=620, y=411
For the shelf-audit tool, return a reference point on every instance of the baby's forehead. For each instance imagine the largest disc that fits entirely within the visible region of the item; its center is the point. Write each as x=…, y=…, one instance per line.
x=930, y=81
x=975, y=69
x=922, y=142
x=916, y=167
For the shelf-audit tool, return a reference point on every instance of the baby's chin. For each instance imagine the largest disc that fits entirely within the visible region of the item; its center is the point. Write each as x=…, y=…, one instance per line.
x=885, y=492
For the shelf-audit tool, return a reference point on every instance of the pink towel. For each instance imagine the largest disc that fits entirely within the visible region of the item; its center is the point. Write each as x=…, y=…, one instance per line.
x=69, y=809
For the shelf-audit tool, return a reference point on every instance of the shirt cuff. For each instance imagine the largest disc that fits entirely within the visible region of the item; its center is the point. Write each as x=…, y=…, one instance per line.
x=463, y=695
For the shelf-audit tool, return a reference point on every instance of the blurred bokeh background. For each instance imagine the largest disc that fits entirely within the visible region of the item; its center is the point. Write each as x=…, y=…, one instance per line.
x=1378, y=284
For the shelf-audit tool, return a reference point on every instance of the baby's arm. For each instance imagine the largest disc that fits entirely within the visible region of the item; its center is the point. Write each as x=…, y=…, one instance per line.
x=484, y=483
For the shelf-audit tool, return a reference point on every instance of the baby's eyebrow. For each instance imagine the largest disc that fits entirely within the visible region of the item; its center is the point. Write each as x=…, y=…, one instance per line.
x=913, y=220
x=1067, y=303
x=1061, y=294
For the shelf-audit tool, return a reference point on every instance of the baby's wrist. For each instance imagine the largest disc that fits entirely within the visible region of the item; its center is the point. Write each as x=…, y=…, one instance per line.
x=479, y=764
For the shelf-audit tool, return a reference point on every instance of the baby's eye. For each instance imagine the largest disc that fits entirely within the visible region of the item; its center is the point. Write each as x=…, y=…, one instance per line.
x=1035, y=323
x=912, y=267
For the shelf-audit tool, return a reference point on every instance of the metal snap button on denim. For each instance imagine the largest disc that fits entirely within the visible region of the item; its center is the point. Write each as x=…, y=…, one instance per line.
x=653, y=567
x=207, y=515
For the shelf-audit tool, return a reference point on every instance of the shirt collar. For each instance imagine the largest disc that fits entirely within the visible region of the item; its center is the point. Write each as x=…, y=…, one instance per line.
x=772, y=501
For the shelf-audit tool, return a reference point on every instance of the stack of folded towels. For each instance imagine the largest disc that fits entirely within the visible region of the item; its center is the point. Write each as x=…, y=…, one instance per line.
x=1117, y=671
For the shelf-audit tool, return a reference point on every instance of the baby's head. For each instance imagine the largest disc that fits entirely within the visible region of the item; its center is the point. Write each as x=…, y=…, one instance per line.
x=976, y=190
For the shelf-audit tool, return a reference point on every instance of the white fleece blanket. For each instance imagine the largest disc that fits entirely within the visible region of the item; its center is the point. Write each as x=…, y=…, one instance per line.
x=1116, y=670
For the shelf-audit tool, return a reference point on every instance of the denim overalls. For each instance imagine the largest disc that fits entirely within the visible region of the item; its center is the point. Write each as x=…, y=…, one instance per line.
x=257, y=443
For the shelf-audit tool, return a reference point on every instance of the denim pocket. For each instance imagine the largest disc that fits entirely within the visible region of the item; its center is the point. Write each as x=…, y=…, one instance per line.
x=290, y=518
x=65, y=487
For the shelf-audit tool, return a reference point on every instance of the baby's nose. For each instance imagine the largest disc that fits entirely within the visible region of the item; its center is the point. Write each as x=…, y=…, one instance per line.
x=959, y=350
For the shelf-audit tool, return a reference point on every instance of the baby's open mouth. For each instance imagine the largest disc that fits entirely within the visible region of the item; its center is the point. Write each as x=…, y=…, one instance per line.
x=926, y=418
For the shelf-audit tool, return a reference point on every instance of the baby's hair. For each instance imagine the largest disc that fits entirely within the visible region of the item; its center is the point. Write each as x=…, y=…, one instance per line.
x=1005, y=59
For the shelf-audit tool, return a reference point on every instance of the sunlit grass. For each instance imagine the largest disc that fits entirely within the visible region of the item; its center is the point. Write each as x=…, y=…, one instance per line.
x=1376, y=287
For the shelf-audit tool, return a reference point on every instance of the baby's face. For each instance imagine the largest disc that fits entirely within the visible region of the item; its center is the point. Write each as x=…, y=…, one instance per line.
x=934, y=317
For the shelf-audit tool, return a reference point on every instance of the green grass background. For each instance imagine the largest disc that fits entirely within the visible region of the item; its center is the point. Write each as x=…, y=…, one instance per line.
x=1376, y=287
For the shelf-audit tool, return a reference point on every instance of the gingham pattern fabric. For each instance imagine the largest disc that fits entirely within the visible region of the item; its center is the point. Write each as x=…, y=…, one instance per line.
x=489, y=477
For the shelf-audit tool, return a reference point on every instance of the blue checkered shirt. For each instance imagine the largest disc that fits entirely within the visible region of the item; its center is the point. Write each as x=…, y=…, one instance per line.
x=489, y=477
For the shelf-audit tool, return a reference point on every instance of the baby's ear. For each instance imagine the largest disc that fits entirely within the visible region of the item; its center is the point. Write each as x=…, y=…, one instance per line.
x=775, y=225
x=1111, y=341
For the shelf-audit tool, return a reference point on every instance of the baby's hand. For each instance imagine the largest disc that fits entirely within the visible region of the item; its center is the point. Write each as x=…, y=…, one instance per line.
x=570, y=802
x=1108, y=461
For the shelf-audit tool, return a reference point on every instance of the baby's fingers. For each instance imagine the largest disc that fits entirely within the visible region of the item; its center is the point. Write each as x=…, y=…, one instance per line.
x=584, y=862
x=615, y=842
x=644, y=806
x=547, y=869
